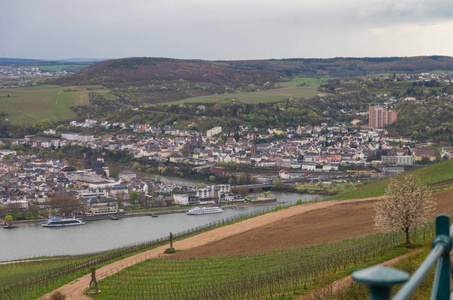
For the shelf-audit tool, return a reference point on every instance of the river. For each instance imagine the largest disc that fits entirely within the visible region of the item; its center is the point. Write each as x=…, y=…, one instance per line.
x=35, y=240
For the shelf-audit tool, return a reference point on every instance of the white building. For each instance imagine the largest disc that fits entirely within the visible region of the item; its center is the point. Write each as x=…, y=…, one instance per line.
x=215, y=191
x=283, y=174
x=7, y=152
x=309, y=166
x=85, y=137
x=70, y=136
x=214, y=131
x=181, y=199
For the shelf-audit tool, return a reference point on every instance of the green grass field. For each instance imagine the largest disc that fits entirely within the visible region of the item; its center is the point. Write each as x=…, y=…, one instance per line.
x=431, y=175
x=28, y=105
x=60, y=67
x=438, y=71
x=377, y=75
x=307, y=81
x=272, y=95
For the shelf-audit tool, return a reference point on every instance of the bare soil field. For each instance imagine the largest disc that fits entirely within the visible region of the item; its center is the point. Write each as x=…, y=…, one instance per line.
x=306, y=225
x=297, y=226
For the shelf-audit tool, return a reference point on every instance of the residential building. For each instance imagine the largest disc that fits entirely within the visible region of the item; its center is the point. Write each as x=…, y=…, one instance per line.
x=398, y=160
x=127, y=175
x=379, y=117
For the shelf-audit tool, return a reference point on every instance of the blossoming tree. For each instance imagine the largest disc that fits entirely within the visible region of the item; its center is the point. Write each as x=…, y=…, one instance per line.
x=407, y=202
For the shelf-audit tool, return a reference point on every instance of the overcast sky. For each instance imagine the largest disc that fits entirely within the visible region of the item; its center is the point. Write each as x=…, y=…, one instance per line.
x=225, y=29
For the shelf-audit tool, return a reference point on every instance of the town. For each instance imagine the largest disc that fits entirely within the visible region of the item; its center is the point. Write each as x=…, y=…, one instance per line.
x=322, y=153
x=226, y=150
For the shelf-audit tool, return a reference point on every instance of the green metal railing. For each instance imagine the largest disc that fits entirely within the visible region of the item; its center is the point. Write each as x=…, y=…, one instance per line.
x=381, y=279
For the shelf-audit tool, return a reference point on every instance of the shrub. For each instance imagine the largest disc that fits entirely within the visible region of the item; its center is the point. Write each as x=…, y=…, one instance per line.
x=57, y=296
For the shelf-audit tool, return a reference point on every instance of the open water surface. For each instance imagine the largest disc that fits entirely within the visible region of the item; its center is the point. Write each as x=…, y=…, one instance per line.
x=35, y=240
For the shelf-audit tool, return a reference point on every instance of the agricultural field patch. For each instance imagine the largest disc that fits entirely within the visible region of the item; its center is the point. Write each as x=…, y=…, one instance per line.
x=303, y=81
x=263, y=96
x=61, y=67
x=431, y=175
x=247, y=277
x=28, y=105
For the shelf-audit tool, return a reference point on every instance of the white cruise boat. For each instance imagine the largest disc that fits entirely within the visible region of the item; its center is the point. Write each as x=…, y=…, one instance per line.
x=59, y=222
x=205, y=210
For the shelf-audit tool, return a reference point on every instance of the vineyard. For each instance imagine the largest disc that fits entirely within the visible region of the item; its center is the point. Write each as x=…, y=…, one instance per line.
x=255, y=277
x=34, y=278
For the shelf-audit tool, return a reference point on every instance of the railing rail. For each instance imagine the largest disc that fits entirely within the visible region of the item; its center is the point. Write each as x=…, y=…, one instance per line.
x=381, y=279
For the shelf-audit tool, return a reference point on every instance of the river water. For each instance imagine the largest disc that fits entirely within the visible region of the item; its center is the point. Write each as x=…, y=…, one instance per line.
x=35, y=240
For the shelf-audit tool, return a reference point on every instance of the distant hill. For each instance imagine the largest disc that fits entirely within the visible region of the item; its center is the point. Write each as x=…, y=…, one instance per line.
x=80, y=60
x=351, y=66
x=143, y=71
x=158, y=80
x=9, y=61
x=35, y=62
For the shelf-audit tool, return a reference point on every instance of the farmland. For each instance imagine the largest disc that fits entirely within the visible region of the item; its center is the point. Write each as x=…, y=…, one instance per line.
x=303, y=81
x=262, y=96
x=298, y=232
x=29, y=105
x=62, y=67
x=434, y=175
x=248, y=277
x=29, y=279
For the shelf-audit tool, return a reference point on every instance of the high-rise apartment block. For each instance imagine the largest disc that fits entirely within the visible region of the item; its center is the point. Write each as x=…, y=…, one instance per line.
x=379, y=117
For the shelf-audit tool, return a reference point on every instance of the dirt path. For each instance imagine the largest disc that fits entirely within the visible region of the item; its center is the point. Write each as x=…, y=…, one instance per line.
x=297, y=226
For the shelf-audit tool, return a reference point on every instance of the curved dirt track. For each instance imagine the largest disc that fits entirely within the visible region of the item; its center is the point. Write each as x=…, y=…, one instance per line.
x=297, y=226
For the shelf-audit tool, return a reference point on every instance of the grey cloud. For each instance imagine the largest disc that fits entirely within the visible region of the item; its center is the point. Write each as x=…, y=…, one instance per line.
x=216, y=29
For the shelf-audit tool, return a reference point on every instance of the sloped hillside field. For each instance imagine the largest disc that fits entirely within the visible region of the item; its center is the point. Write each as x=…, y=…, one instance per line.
x=31, y=104
x=271, y=259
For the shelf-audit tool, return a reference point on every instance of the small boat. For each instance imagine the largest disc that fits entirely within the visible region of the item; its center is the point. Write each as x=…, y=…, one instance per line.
x=8, y=226
x=59, y=222
x=153, y=215
x=205, y=210
x=114, y=217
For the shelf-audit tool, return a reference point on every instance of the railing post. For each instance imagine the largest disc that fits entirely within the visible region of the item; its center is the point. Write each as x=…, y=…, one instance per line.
x=443, y=237
x=380, y=280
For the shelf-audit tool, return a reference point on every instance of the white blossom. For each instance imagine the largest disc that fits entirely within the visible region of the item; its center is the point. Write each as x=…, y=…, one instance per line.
x=407, y=202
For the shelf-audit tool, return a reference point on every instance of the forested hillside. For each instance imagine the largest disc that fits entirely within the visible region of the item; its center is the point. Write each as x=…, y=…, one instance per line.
x=351, y=66
x=157, y=80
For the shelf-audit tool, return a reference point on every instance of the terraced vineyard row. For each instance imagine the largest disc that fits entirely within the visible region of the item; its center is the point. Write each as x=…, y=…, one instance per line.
x=254, y=277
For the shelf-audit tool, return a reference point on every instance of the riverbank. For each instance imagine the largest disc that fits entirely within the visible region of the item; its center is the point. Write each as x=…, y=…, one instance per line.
x=267, y=232
x=237, y=205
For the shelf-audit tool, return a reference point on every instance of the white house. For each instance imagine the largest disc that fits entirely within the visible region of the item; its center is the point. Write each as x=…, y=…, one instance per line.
x=70, y=136
x=181, y=199
x=283, y=174
x=309, y=166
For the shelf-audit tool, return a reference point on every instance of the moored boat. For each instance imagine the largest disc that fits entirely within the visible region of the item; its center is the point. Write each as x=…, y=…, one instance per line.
x=205, y=210
x=60, y=222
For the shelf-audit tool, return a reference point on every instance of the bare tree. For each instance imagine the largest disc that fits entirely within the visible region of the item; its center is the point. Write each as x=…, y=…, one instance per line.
x=257, y=190
x=13, y=208
x=66, y=205
x=120, y=198
x=407, y=202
